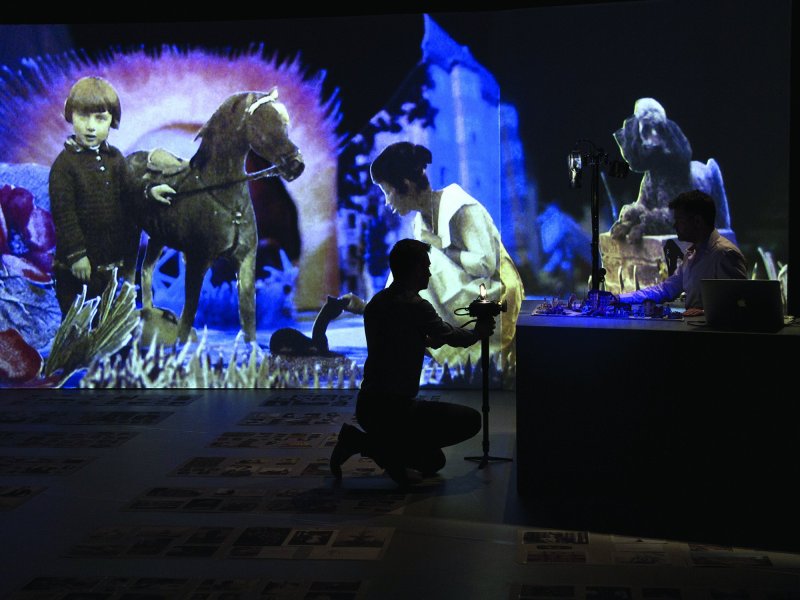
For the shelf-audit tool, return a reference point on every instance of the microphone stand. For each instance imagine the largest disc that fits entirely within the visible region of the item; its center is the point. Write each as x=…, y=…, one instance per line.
x=595, y=158
x=484, y=459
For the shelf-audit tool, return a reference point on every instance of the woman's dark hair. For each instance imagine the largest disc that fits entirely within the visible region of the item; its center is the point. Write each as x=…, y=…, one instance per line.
x=91, y=95
x=400, y=161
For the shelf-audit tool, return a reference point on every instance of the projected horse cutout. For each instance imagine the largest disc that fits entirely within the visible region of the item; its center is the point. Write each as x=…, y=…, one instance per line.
x=211, y=215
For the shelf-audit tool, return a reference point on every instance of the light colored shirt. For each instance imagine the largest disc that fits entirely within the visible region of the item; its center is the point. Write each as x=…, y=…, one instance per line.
x=716, y=258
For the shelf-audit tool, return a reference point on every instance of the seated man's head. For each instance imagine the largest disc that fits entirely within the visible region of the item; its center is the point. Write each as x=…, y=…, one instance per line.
x=694, y=215
x=410, y=264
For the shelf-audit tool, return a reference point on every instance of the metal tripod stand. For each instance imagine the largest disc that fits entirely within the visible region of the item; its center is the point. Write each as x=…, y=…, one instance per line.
x=486, y=458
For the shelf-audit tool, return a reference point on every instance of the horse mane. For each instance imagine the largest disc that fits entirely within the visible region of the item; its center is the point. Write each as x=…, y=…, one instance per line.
x=228, y=118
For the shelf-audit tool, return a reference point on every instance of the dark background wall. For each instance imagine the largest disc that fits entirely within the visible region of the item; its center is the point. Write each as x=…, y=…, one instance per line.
x=572, y=69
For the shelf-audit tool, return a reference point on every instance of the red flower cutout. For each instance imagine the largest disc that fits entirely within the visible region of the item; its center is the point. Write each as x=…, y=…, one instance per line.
x=19, y=361
x=27, y=236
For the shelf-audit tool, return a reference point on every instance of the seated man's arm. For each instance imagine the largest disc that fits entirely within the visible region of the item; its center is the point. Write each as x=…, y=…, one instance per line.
x=732, y=265
x=666, y=291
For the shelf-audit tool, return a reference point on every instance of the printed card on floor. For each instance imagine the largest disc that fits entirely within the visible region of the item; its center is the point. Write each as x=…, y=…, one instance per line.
x=175, y=588
x=309, y=398
x=246, y=439
x=84, y=417
x=292, y=419
x=98, y=398
x=737, y=559
x=357, y=466
x=64, y=439
x=552, y=546
x=152, y=542
x=362, y=543
x=42, y=465
x=224, y=466
x=13, y=496
x=291, y=500
x=309, y=590
x=530, y=591
x=607, y=592
x=641, y=558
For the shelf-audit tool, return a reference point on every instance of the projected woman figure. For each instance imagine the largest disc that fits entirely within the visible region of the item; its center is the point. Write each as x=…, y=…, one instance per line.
x=466, y=249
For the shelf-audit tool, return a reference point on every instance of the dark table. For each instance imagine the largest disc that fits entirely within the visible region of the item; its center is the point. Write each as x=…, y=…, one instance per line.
x=660, y=428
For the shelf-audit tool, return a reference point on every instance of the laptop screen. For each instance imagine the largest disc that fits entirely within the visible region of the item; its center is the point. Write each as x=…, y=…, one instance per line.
x=743, y=304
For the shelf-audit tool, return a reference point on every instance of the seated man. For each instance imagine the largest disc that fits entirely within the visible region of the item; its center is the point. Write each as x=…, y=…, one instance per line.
x=711, y=255
x=402, y=433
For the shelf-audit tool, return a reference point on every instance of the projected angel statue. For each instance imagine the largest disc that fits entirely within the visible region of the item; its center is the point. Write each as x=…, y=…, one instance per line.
x=654, y=145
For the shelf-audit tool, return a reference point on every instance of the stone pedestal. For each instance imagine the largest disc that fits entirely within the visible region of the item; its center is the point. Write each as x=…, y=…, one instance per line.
x=633, y=266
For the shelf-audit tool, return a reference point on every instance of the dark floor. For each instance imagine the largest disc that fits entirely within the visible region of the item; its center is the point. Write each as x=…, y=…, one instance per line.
x=225, y=494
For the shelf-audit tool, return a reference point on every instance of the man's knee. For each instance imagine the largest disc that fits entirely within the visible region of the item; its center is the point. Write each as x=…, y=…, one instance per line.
x=436, y=463
x=474, y=422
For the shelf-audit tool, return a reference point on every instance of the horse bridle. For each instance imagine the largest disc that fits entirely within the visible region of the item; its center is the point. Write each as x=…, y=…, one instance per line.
x=273, y=171
x=270, y=98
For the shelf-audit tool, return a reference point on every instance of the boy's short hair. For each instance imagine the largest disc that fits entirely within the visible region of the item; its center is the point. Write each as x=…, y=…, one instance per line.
x=406, y=255
x=91, y=95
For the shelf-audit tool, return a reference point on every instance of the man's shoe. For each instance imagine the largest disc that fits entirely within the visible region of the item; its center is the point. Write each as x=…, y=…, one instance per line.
x=403, y=476
x=346, y=445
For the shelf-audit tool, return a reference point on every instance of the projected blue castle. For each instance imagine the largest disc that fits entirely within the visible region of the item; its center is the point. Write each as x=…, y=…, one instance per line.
x=453, y=105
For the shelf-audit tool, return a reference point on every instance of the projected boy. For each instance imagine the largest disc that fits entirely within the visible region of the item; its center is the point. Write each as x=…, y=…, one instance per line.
x=90, y=187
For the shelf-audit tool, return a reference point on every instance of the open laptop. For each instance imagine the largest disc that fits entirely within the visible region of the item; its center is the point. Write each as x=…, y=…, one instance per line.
x=743, y=304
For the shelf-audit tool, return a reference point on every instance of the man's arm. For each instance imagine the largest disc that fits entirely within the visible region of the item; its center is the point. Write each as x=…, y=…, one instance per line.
x=667, y=290
x=732, y=265
x=439, y=332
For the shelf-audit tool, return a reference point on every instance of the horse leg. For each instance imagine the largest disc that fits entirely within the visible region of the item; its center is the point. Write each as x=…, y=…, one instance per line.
x=246, y=290
x=151, y=255
x=128, y=269
x=195, y=272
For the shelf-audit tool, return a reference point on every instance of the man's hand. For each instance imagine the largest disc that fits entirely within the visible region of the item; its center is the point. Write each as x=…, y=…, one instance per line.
x=355, y=304
x=484, y=328
x=431, y=238
x=82, y=269
x=159, y=193
x=693, y=312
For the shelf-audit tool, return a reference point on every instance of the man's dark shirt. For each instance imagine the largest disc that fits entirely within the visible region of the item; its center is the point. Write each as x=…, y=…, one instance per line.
x=397, y=323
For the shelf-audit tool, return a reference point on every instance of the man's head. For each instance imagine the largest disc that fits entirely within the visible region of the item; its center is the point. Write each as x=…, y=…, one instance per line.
x=92, y=107
x=410, y=263
x=694, y=215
